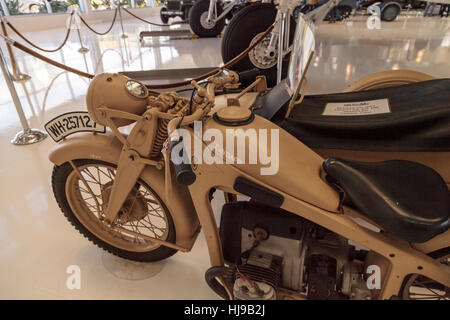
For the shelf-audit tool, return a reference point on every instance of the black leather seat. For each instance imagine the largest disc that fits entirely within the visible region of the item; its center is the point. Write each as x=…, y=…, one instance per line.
x=419, y=118
x=405, y=198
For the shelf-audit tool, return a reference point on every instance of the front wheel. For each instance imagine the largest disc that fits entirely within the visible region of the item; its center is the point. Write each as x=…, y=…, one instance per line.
x=143, y=214
x=198, y=20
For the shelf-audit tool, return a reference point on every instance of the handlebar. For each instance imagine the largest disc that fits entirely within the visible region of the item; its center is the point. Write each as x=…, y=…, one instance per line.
x=248, y=76
x=183, y=170
x=184, y=173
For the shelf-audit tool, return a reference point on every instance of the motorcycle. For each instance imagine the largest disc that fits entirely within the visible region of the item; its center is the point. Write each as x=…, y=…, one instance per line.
x=349, y=192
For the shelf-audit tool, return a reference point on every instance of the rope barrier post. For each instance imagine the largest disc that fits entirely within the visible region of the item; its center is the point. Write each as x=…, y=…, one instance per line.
x=82, y=49
x=28, y=135
x=74, y=22
x=119, y=6
x=17, y=75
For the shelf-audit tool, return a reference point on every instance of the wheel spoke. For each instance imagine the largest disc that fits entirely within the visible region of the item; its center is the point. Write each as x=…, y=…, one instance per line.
x=112, y=174
x=89, y=173
x=429, y=289
x=131, y=217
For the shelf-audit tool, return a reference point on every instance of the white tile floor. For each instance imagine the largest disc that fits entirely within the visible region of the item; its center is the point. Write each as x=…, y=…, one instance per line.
x=38, y=244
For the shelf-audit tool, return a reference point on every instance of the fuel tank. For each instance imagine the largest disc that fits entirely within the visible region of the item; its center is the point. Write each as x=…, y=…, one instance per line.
x=269, y=154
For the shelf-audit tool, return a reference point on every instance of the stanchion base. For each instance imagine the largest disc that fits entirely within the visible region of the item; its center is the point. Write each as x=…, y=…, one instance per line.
x=21, y=77
x=131, y=270
x=124, y=36
x=28, y=137
x=83, y=50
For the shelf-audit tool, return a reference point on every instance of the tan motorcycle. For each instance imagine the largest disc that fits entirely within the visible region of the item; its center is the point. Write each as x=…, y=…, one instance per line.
x=348, y=192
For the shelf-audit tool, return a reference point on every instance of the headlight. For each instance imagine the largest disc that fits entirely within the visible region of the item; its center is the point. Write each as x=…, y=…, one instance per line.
x=116, y=92
x=137, y=89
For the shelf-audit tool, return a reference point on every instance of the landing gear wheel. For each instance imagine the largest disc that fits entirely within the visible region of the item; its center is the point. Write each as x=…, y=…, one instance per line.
x=244, y=29
x=390, y=12
x=417, y=287
x=344, y=11
x=198, y=20
x=388, y=78
x=185, y=14
x=143, y=213
x=164, y=18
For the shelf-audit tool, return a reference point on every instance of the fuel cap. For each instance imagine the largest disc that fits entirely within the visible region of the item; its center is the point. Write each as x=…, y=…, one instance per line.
x=234, y=116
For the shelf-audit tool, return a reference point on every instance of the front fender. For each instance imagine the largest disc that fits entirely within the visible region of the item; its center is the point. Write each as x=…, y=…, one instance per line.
x=106, y=147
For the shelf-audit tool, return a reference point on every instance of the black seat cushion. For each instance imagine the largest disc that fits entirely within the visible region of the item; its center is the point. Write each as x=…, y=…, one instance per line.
x=419, y=120
x=405, y=198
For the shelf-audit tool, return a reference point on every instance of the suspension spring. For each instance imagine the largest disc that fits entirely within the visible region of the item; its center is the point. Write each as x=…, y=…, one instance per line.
x=161, y=136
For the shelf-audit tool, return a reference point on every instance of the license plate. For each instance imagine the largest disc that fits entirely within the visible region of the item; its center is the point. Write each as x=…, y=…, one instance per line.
x=72, y=122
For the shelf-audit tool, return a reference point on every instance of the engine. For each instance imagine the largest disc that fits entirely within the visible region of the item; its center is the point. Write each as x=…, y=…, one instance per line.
x=274, y=254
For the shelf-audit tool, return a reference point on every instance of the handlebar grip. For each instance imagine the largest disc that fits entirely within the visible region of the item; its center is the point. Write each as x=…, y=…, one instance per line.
x=248, y=76
x=183, y=171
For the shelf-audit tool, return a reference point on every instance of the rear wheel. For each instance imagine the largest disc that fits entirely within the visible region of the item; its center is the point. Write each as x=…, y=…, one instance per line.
x=143, y=213
x=388, y=78
x=198, y=19
x=418, y=287
x=246, y=27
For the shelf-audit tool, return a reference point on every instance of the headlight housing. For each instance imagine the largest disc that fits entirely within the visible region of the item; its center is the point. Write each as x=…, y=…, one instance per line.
x=117, y=92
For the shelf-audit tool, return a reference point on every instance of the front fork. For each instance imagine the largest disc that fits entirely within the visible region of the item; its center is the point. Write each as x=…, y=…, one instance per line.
x=131, y=163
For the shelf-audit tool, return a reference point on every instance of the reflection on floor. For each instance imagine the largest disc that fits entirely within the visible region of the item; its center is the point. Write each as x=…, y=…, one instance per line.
x=38, y=244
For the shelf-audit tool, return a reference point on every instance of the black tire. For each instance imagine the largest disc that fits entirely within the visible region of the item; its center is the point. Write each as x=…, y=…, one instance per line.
x=344, y=11
x=164, y=19
x=199, y=8
x=390, y=12
x=59, y=178
x=245, y=25
x=185, y=10
x=435, y=255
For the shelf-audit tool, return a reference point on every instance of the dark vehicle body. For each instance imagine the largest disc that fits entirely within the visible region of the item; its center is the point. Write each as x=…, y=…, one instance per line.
x=175, y=8
x=390, y=9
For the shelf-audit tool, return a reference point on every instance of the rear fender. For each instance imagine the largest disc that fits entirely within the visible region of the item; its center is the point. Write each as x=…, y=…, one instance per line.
x=106, y=147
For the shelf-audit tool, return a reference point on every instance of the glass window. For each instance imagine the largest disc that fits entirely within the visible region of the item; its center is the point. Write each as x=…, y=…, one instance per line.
x=101, y=4
x=125, y=3
x=140, y=3
x=63, y=5
x=22, y=7
x=109, y=4
x=19, y=7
